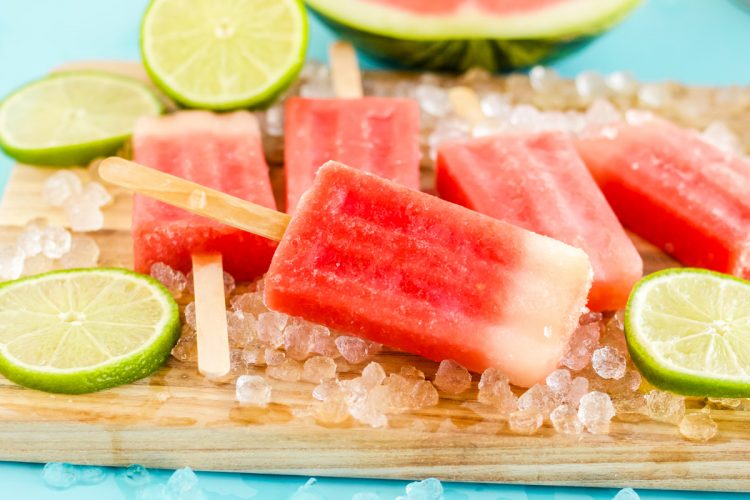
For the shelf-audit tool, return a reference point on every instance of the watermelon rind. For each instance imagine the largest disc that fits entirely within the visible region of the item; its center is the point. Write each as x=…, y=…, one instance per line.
x=470, y=38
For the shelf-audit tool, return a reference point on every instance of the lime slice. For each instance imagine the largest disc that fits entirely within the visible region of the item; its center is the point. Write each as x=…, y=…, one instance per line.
x=84, y=330
x=72, y=117
x=224, y=54
x=688, y=331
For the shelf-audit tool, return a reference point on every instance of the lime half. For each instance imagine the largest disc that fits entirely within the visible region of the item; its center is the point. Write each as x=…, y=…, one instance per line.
x=224, y=54
x=688, y=331
x=84, y=330
x=72, y=117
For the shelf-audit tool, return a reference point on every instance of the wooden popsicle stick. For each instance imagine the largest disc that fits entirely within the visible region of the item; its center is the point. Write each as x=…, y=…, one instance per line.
x=210, y=315
x=195, y=198
x=347, y=79
x=466, y=104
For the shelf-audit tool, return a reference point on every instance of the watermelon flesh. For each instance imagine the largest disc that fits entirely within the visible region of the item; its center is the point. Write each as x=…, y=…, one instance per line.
x=671, y=187
x=538, y=182
x=222, y=152
x=375, y=134
x=365, y=255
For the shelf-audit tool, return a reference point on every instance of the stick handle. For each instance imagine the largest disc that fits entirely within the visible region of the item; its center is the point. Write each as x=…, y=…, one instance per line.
x=466, y=104
x=210, y=315
x=195, y=198
x=347, y=80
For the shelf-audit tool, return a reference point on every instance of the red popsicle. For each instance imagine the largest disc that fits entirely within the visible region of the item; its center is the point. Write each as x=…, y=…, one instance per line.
x=538, y=182
x=676, y=190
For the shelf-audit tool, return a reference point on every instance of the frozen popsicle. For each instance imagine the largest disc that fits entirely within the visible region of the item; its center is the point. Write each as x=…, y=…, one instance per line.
x=674, y=189
x=375, y=134
x=538, y=182
x=368, y=256
x=224, y=152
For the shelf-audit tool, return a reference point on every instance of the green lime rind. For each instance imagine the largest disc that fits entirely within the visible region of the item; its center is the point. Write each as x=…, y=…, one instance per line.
x=80, y=153
x=121, y=370
x=460, y=42
x=256, y=100
x=687, y=383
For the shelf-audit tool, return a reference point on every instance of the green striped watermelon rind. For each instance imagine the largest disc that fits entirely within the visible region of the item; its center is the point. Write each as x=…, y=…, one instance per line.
x=460, y=48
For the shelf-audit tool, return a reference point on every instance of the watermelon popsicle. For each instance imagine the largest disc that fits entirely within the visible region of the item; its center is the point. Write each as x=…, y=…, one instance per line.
x=674, y=189
x=367, y=256
x=538, y=182
x=375, y=134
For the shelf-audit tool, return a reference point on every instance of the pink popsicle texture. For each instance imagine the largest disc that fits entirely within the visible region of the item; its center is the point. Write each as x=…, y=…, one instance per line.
x=538, y=182
x=375, y=134
x=222, y=152
x=676, y=190
x=368, y=256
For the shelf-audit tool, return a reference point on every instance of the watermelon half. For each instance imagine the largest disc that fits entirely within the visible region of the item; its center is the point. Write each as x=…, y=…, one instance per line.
x=460, y=34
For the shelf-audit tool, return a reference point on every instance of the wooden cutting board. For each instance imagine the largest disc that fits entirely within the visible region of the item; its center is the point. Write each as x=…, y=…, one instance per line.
x=175, y=418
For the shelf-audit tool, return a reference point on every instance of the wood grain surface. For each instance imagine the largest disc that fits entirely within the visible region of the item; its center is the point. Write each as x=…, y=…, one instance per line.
x=176, y=418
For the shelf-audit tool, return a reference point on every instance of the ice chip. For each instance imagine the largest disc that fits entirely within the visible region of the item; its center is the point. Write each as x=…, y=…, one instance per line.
x=373, y=374
x=543, y=80
x=495, y=105
x=11, y=262
x=136, y=476
x=84, y=252
x=172, y=279
x=578, y=387
x=241, y=328
x=288, y=370
x=590, y=85
x=186, y=348
x=410, y=371
x=433, y=99
x=494, y=390
x=272, y=357
x=665, y=406
x=318, y=369
x=253, y=390
x=183, y=484
x=581, y=346
x=352, y=349
x=273, y=120
x=630, y=408
x=626, y=494
x=251, y=303
x=525, y=422
x=448, y=129
x=452, y=378
x=622, y=83
x=559, y=381
x=721, y=136
x=608, y=363
x=596, y=410
x=60, y=475
x=429, y=489
x=91, y=475
x=96, y=194
x=539, y=398
x=30, y=241
x=56, y=242
x=307, y=492
x=698, y=426
x=322, y=342
x=297, y=340
x=602, y=112
x=565, y=420
x=190, y=315
x=654, y=95
x=61, y=187
x=270, y=328
x=84, y=215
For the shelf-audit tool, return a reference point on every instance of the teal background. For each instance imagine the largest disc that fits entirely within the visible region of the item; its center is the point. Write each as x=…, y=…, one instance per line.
x=704, y=42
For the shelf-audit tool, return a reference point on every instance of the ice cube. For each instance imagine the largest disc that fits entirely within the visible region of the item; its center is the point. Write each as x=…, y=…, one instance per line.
x=318, y=369
x=410, y=393
x=253, y=390
x=60, y=187
x=270, y=328
x=173, y=279
x=331, y=412
x=373, y=374
x=423, y=395
x=721, y=136
x=631, y=407
x=565, y=420
x=410, y=371
x=96, y=194
x=30, y=241
x=526, y=118
x=595, y=410
x=433, y=99
x=241, y=328
x=543, y=80
x=183, y=484
x=84, y=252
x=254, y=356
x=353, y=349
x=665, y=406
x=60, y=475
x=273, y=120
x=11, y=262
x=56, y=242
x=329, y=390
x=622, y=83
x=627, y=494
x=452, y=377
x=539, y=398
x=429, y=489
x=186, y=348
x=190, y=315
x=698, y=426
x=91, y=475
x=136, y=476
x=37, y=264
x=590, y=85
x=496, y=105
x=654, y=95
x=252, y=303
x=322, y=342
x=601, y=112
x=582, y=344
x=559, y=381
x=84, y=215
x=578, y=387
x=608, y=363
x=272, y=357
x=288, y=370
x=297, y=340
x=494, y=391
x=525, y=421
x=729, y=403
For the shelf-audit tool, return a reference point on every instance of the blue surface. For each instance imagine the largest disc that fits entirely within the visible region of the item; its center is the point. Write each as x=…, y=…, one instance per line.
x=694, y=41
